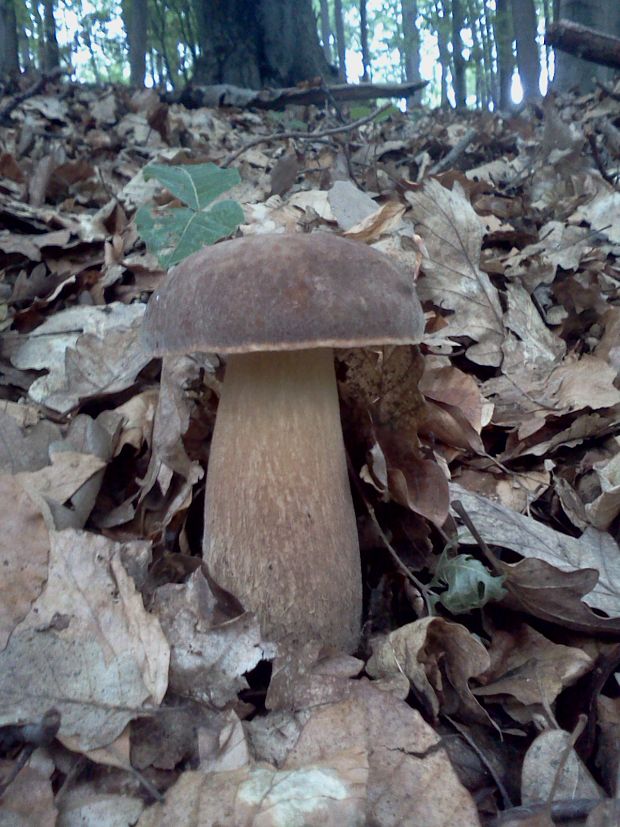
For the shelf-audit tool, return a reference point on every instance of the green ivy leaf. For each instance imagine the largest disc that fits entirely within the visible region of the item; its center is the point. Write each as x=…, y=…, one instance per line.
x=470, y=584
x=173, y=233
x=196, y=185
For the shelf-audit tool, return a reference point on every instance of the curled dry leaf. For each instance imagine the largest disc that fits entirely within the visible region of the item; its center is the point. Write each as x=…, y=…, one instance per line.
x=103, y=357
x=328, y=793
x=438, y=658
x=530, y=667
x=87, y=646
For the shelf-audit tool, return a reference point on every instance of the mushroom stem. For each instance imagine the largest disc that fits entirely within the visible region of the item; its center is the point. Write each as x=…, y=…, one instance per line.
x=280, y=530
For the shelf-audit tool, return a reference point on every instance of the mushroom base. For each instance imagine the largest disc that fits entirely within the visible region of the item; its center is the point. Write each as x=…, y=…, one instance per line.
x=280, y=530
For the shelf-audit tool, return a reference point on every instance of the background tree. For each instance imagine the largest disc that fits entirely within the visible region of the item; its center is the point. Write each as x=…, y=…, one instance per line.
x=326, y=30
x=256, y=43
x=525, y=27
x=505, y=56
x=9, y=52
x=411, y=47
x=51, y=52
x=135, y=16
x=458, y=60
x=364, y=42
x=341, y=46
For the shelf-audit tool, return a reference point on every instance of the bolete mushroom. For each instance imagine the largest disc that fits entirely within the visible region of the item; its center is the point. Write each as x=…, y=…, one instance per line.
x=280, y=531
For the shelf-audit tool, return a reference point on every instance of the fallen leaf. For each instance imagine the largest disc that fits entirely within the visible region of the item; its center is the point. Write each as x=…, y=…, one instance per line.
x=438, y=658
x=452, y=233
x=87, y=646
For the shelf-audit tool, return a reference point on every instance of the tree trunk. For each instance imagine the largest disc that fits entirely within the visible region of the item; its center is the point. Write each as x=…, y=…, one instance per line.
x=326, y=32
x=364, y=43
x=505, y=58
x=256, y=43
x=135, y=14
x=571, y=71
x=51, y=53
x=9, y=53
x=458, y=61
x=341, y=45
x=411, y=47
x=525, y=26
x=442, y=44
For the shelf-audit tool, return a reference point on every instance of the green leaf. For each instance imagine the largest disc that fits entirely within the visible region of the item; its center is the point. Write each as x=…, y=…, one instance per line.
x=470, y=584
x=196, y=185
x=174, y=234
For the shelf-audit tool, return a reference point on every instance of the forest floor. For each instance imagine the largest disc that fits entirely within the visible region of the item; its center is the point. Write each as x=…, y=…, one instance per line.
x=486, y=464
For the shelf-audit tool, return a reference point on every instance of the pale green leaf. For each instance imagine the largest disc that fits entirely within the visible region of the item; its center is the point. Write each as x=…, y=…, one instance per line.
x=470, y=585
x=196, y=185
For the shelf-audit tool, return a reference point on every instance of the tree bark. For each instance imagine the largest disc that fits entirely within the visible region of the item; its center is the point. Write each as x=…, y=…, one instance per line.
x=51, y=53
x=443, y=25
x=458, y=61
x=135, y=14
x=411, y=47
x=525, y=26
x=505, y=58
x=9, y=52
x=364, y=42
x=256, y=43
x=341, y=45
x=574, y=72
x=585, y=43
x=326, y=31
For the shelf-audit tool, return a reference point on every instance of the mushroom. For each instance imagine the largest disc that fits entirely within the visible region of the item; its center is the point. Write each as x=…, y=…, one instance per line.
x=279, y=525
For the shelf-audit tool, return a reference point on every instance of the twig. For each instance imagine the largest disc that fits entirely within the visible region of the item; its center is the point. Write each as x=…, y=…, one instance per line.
x=485, y=761
x=455, y=153
x=421, y=587
x=305, y=136
x=562, y=810
x=36, y=87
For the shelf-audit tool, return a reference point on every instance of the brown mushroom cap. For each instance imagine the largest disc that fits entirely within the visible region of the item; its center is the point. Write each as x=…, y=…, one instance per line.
x=283, y=292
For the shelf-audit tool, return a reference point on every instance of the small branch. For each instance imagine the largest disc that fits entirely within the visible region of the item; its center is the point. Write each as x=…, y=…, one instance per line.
x=584, y=43
x=455, y=153
x=304, y=136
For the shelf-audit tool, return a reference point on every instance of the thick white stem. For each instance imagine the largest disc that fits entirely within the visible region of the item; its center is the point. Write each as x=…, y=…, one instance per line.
x=280, y=530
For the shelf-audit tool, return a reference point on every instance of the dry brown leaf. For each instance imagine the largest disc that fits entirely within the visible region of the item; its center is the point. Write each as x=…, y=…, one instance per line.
x=87, y=646
x=103, y=357
x=209, y=654
x=452, y=233
x=328, y=793
x=530, y=668
x=541, y=765
x=438, y=658
x=24, y=548
x=593, y=550
x=87, y=804
x=410, y=778
x=30, y=798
